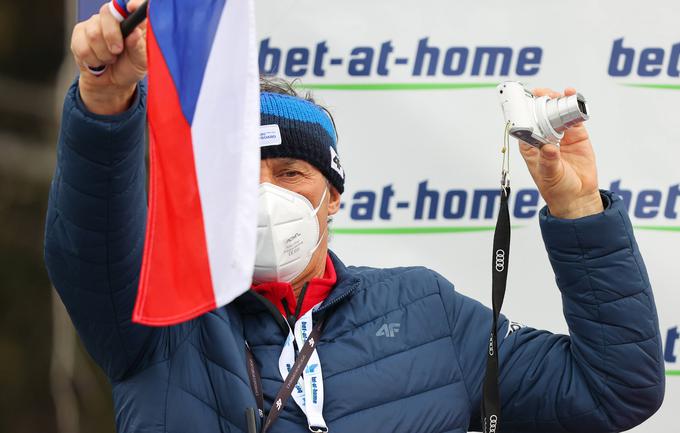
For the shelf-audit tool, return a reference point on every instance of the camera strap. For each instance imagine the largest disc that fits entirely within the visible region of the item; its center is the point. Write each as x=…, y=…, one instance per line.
x=491, y=401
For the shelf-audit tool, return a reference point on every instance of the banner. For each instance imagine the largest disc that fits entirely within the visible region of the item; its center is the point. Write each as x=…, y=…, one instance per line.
x=411, y=87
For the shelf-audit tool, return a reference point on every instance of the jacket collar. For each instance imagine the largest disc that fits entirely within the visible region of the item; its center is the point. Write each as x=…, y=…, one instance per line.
x=315, y=291
x=347, y=282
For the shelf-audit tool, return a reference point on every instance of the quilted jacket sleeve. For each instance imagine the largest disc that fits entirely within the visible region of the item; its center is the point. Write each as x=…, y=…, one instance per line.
x=608, y=374
x=95, y=227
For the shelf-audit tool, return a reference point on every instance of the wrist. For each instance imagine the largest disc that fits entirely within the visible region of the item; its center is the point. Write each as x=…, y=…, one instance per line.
x=578, y=208
x=105, y=99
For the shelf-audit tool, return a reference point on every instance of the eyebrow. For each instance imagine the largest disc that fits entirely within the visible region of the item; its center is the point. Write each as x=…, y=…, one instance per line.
x=292, y=162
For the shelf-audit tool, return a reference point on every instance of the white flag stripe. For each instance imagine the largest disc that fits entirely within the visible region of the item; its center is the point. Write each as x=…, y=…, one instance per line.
x=225, y=133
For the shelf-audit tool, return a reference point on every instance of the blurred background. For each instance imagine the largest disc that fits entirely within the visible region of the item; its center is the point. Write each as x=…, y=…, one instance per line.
x=446, y=140
x=39, y=352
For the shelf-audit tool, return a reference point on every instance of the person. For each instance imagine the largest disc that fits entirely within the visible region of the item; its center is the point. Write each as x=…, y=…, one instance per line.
x=400, y=350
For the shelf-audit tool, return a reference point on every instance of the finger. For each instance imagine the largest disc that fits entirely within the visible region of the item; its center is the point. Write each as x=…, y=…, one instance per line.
x=135, y=51
x=135, y=46
x=82, y=52
x=544, y=91
x=575, y=134
x=95, y=39
x=111, y=30
x=569, y=91
x=77, y=43
x=541, y=91
x=134, y=38
x=527, y=151
x=133, y=5
x=549, y=162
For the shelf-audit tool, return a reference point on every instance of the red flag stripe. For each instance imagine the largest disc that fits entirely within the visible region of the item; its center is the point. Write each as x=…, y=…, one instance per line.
x=176, y=255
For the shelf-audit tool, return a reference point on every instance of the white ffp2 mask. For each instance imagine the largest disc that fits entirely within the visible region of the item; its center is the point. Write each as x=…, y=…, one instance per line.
x=287, y=234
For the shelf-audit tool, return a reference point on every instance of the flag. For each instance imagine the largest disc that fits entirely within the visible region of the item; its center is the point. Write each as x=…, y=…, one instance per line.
x=203, y=112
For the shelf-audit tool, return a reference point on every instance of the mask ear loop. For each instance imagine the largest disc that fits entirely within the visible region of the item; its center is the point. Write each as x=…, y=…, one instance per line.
x=323, y=197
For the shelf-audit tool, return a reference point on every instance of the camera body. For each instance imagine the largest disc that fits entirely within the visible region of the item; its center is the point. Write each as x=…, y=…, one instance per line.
x=539, y=121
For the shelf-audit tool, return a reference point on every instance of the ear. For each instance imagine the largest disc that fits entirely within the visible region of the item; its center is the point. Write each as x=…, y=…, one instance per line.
x=333, y=200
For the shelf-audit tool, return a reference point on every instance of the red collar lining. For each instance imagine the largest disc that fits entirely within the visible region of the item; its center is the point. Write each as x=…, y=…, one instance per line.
x=317, y=290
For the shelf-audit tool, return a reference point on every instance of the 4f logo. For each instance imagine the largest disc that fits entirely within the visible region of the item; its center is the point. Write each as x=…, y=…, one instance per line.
x=388, y=330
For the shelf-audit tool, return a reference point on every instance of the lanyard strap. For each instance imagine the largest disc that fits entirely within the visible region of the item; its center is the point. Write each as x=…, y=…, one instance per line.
x=288, y=384
x=309, y=392
x=491, y=401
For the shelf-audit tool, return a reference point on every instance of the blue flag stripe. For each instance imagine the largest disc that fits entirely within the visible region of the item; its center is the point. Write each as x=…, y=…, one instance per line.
x=185, y=32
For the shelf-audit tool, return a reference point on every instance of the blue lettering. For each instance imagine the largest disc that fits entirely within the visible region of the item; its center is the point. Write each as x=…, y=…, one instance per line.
x=490, y=195
x=265, y=54
x=387, y=194
x=650, y=62
x=617, y=68
x=625, y=194
x=462, y=54
x=650, y=57
x=529, y=61
x=315, y=390
x=673, y=194
x=647, y=204
x=460, y=197
x=669, y=351
x=673, y=67
x=491, y=54
x=360, y=64
x=424, y=193
x=431, y=52
x=385, y=50
x=321, y=50
x=526, y=201
x=486, y=61
x=363, y=211
x=296, y=62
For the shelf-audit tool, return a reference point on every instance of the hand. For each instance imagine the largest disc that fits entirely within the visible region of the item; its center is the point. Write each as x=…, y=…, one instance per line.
x=99, y=41
x=566, y=176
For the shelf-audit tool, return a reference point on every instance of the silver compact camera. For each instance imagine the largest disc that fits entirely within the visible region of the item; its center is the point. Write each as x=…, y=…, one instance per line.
x=541, y=120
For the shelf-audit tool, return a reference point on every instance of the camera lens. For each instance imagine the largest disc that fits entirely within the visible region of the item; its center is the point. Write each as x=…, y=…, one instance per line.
x=566, y=111
x=582, y=106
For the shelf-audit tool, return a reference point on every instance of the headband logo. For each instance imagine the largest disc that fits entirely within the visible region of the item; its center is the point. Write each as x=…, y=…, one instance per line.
x=270, y=135
x=335, y=163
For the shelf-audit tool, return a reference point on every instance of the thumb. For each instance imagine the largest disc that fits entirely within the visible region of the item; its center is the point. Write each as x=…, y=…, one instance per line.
x=133, y=5
x=550, y=163
x=135, y=46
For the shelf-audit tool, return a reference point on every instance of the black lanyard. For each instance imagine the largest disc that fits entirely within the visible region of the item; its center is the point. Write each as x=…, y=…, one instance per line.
x=288, y=384
x=491, y=401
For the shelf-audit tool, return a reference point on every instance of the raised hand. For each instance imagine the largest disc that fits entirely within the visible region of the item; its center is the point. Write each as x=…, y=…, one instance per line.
x=98, y=41
x=565, y=175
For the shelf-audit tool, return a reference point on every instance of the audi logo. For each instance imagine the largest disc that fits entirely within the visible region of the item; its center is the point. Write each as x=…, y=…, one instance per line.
x=493, y=421
x=500, y=260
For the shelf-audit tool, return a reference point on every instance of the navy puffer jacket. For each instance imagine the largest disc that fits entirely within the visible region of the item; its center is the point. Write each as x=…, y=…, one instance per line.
x=606, y=376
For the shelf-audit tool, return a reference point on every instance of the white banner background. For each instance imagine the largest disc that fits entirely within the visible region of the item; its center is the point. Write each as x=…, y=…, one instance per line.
x=451, y=138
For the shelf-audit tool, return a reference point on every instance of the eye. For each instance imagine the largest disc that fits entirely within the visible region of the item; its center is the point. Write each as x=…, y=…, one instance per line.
x=291, y=173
